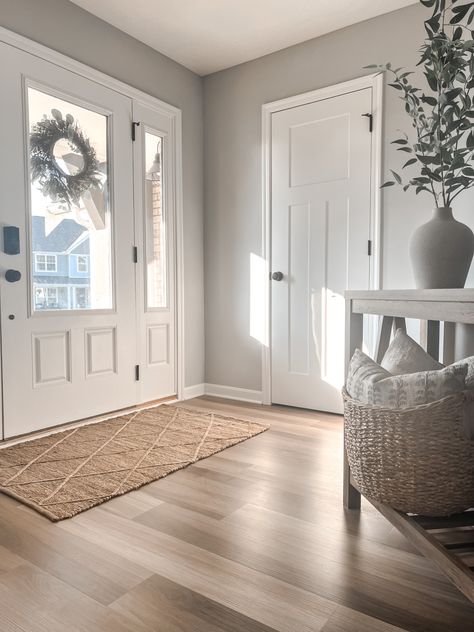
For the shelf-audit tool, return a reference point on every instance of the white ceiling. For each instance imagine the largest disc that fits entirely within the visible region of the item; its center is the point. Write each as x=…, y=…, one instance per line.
x=209, y=35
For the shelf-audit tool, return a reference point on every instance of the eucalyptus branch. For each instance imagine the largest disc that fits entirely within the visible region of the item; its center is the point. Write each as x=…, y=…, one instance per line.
x=445, y=203
x=443, y=114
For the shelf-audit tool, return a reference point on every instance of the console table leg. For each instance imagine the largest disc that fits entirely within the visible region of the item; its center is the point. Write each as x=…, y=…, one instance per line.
x=430, y=337
x=351, y=496
x=384, y=337
x=354, y=335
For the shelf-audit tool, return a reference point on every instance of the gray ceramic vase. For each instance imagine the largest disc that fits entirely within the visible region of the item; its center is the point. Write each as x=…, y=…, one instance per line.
x=441, y=251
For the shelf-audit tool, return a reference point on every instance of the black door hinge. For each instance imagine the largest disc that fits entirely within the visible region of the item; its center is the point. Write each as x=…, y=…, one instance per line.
x=135, y=124
x=369, y=247
x=135, y=254
x=137, y=373
x=371, y=121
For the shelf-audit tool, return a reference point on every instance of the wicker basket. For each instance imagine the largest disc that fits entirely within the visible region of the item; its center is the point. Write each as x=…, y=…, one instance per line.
x=417, y=460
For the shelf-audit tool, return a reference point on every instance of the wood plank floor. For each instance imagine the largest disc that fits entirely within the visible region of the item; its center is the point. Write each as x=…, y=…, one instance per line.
x=253, y=539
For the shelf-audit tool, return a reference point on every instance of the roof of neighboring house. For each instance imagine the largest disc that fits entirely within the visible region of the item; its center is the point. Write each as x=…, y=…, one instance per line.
x=59, y=239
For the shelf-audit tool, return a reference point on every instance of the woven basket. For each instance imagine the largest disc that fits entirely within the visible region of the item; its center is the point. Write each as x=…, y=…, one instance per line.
x=417, y=460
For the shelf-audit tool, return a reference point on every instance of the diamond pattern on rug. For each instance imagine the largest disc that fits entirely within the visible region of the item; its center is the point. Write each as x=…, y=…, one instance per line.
x=70, y=471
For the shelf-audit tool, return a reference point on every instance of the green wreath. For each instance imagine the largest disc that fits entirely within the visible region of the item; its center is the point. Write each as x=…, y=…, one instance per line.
x=53, y=180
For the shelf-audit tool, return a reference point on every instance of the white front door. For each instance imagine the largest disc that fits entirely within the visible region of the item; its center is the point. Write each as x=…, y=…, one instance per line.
x=155, y=203
x=320, y=191
x=68, y=324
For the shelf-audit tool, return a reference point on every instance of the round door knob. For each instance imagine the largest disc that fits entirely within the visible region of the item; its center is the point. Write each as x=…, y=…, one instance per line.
x=12, y=276
x=277, y=276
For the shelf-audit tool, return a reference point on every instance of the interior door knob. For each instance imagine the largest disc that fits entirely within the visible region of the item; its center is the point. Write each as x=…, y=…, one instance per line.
x=277, y=276
x=12, y=276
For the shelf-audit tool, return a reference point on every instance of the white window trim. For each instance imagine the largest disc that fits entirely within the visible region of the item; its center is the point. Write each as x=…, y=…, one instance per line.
x=52, y=291
x=46, y=255
x=75, y=288
x=86, y=257
x=47, y=289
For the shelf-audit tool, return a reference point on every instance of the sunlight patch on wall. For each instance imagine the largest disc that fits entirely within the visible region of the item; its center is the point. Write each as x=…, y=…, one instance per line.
x=258, y=299
x=333, y=339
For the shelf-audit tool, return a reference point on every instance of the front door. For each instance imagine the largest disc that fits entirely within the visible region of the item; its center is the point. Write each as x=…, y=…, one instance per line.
x=68, y=314
x=321, y=179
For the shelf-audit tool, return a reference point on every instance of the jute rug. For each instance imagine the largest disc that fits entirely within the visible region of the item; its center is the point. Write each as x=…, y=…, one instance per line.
x=68, y=472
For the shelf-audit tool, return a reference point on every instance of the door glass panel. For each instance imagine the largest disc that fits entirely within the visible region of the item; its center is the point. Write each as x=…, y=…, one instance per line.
x=155, y=223
x=71, y=245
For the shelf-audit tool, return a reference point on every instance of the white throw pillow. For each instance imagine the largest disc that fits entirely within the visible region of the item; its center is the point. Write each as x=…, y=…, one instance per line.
x=469, y=362
x=369, y=383
x=469, y=412
x=404, y=355
x=413, y=389
x=362, y=375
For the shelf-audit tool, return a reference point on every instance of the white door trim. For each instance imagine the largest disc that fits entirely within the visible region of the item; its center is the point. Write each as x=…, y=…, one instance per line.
x=374, y=81
x=174, y=113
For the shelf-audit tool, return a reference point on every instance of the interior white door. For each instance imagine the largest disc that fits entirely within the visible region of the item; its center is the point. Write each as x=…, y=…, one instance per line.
x=155, y=203
x=320, y=188
x=68, y=324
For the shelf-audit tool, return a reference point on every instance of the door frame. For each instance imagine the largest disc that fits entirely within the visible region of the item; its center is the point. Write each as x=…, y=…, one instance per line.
x=174, y=114
x=374, y=81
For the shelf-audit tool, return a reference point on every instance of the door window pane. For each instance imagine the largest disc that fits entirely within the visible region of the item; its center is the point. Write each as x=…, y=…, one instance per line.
x=70, y=205
x=155, y=223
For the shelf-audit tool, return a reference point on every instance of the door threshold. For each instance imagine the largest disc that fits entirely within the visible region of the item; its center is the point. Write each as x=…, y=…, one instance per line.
x=86, y=421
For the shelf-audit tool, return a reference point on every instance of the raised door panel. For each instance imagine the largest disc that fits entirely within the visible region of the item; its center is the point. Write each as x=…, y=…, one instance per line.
x=101, y=351
x=51, y=358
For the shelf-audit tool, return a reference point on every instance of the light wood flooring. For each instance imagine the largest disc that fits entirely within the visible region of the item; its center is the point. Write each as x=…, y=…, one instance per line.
x=253, y=539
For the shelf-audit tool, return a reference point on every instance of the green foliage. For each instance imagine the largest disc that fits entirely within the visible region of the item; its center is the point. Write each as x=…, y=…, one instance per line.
x=443, y=115
x=54, y=183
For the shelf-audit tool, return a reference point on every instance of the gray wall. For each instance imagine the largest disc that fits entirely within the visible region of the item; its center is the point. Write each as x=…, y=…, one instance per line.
x=233, y=190
x=72, y=31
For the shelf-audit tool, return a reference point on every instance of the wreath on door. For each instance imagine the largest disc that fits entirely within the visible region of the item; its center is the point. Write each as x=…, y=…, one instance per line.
x=62, y=181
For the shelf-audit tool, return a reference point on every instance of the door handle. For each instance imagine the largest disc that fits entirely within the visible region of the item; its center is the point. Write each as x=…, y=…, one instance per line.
x=277, y=276
x=12, y=276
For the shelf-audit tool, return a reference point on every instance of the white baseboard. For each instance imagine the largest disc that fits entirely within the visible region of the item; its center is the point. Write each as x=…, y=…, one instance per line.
x=231, y=392
x=227, y=392
x=194, y=391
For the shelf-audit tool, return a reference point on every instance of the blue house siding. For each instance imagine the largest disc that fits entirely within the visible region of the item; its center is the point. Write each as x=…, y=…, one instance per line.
x=73, y=271
x=62, y=266
x=67, y=287
x=81, y=250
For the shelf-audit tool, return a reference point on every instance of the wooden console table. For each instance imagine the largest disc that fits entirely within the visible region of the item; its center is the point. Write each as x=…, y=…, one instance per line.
x=439, y=539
